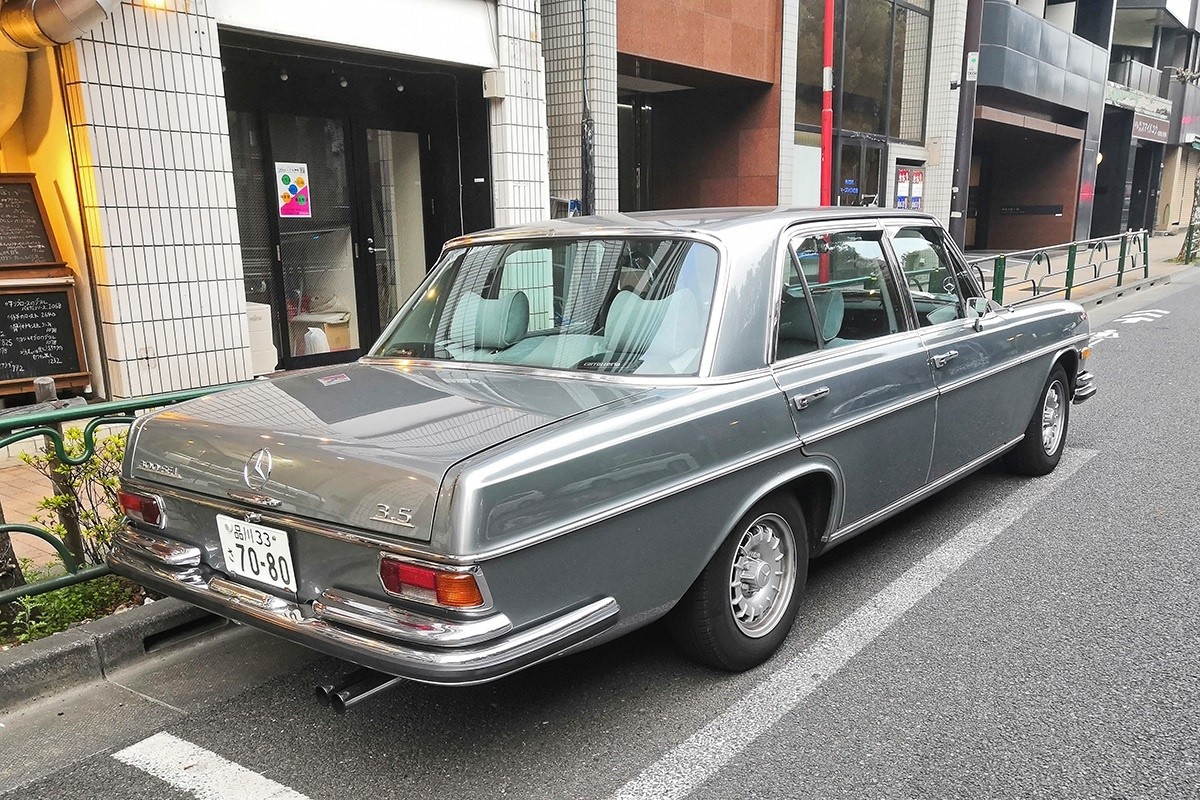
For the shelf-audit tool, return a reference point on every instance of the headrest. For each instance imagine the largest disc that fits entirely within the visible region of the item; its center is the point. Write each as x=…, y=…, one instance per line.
x=631, y=322
x=490, y=324
x=796, y=320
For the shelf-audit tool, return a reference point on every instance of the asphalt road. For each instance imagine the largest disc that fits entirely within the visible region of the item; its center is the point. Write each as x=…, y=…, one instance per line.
x=1007, y=638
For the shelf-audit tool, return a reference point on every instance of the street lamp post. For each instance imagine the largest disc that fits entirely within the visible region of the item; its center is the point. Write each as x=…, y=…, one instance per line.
x=1188, y=251
x=587, y=134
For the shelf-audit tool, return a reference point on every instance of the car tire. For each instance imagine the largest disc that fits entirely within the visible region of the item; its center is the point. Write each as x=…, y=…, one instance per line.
x=1046, y=435
x=739, y=611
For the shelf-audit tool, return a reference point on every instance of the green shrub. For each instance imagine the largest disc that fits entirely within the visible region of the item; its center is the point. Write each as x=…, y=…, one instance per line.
x=90, y=494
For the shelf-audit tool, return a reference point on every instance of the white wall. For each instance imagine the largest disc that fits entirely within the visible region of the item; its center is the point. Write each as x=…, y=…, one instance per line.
x=451, y=31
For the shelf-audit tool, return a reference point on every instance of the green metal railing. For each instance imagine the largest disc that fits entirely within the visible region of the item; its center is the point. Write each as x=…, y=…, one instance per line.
x=48, y=424
x=1091, y=258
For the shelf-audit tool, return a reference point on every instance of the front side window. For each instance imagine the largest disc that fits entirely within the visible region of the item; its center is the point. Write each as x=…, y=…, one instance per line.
x=619, y=306
x=939, y=284
x=837, y=291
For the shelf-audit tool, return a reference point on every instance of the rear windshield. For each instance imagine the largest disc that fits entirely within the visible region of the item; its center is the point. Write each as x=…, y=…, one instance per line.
x=621, y=306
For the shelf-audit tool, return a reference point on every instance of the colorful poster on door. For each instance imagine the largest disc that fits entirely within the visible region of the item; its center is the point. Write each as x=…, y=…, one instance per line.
x=295, y=193
x=917, y=190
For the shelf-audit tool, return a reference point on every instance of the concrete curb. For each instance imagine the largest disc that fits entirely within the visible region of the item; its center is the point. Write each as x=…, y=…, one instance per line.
x=1117, y=292
x=89, y=652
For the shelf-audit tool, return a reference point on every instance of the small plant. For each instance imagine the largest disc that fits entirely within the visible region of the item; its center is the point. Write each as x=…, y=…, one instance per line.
x=41, y=615
x=89, y=491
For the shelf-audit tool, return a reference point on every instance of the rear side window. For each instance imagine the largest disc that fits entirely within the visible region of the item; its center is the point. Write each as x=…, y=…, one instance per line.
x=837, y=291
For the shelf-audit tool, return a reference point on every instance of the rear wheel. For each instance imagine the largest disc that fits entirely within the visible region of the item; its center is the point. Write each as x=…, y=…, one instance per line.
x=1046, y=435
x=739, y=611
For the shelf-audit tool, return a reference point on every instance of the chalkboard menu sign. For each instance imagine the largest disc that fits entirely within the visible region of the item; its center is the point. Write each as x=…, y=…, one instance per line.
x=25, y=238
x=37, y=333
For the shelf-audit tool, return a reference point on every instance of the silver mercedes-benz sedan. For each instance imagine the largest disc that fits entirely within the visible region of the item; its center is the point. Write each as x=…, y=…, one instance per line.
x=577, y=427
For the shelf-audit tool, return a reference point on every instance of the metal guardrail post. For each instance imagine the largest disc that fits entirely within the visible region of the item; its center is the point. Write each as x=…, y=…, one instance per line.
x=1146, y=254
x=1072, y=251
x=998, y=279
x=1121, y=259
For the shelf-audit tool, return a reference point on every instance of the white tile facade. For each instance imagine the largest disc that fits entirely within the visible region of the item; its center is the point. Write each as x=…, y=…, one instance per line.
x=147, y=111
x=562, y=21
x=520, y=143
x=787, y=99
x=941, y=116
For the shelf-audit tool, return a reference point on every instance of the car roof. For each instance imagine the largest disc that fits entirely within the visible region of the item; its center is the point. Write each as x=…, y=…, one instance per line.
x=709, y=220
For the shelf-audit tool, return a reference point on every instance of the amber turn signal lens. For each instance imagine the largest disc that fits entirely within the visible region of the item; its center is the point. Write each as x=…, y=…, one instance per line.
x=1085, y=353
x=458, y=590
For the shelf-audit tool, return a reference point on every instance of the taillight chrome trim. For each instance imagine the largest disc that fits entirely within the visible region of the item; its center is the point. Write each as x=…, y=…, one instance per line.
x=471, y=569
x=158, y=501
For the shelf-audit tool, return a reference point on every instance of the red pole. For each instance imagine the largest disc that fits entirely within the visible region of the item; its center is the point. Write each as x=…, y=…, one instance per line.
x=827, y=109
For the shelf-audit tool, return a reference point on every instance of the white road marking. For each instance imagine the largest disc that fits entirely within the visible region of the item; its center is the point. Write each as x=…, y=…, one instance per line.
x=204, y=774
x=696, y=760
x=1145, y=315
x=1100, y=336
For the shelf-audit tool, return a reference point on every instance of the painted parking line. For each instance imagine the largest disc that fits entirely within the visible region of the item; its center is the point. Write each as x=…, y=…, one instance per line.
x=691, y=763
x=200, y=772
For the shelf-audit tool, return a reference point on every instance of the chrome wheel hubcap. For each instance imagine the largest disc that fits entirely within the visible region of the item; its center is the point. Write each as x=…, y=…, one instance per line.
x=1052, y=418
x=762, y=575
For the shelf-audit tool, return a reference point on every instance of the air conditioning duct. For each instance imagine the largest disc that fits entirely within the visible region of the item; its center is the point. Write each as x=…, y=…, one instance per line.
x=29, y=24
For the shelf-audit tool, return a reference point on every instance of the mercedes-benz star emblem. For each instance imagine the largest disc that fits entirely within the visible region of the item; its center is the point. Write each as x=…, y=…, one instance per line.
x=257, y=471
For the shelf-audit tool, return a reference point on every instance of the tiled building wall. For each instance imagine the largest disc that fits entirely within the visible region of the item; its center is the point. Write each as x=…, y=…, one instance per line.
x=562, y=22
x=147, y=111
x=941, y=121
x=519, y=139
x=787, y=98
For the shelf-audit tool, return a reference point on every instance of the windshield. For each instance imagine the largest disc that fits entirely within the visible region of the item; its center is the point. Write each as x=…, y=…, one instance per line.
x=621, y=306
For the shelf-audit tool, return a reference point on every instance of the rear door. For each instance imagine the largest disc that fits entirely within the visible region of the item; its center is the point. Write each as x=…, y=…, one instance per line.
x=852, y=366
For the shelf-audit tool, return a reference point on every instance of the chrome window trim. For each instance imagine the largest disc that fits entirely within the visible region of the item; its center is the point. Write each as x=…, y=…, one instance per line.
x=914, y=497
x=716, y=310
x=830, y=353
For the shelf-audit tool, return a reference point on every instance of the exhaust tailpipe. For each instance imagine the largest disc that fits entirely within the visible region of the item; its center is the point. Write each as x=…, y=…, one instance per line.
x=354, y=687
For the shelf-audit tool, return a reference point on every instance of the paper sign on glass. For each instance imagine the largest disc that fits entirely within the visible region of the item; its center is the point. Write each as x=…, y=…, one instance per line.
x=291, y=181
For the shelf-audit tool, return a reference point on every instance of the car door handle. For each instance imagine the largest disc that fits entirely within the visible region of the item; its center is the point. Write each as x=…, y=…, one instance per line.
x=942, y=359
x=802, y=401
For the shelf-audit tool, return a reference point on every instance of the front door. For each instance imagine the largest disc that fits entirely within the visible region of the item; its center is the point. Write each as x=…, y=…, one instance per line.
x=977, y=412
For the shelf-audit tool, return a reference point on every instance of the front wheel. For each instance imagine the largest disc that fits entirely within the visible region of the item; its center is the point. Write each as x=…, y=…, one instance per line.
x=739, y=611
x=1046, y=435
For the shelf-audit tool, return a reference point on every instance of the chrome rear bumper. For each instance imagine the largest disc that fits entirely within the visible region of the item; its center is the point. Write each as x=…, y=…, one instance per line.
x=366, y=631
x=1085, y=386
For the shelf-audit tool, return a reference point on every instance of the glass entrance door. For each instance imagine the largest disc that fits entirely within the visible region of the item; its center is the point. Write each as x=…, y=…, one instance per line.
x=394, y=219
x=860, y=173
x=312, y=192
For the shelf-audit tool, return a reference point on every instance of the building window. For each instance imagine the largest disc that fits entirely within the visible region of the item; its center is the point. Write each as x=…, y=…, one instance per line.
x=884, y=45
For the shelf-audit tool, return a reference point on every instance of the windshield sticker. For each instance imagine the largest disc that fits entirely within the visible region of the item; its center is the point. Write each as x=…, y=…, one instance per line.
x=333, y=380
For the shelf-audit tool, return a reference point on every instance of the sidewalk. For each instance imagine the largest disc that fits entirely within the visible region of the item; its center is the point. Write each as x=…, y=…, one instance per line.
x=21, y=486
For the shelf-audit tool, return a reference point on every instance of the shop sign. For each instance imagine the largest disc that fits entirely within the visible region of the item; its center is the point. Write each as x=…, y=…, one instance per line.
x=1149, y=128
x=291, y=181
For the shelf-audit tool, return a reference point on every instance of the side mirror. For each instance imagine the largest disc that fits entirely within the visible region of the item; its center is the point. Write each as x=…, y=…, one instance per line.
x=983, y=308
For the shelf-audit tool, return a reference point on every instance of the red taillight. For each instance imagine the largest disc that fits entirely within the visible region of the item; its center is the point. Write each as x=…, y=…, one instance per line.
x=141, y=507
x=429, y=585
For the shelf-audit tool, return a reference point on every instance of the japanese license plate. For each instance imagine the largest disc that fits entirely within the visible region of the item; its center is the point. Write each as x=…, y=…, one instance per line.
x=257, y=552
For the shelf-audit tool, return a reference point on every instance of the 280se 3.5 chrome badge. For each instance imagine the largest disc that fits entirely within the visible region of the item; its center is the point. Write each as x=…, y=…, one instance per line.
x=393, y=516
